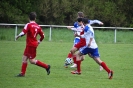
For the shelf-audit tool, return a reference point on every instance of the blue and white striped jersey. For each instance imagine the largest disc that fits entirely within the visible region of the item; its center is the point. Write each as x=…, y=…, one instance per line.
x=89, y=33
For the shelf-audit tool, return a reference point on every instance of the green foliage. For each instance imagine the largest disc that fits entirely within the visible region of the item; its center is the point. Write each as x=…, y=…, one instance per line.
x=15, y=11
x=64, y=12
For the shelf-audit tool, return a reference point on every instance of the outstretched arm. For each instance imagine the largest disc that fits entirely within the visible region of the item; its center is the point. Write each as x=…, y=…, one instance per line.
x=20, y=35
x=95, y=22
x=72, y=28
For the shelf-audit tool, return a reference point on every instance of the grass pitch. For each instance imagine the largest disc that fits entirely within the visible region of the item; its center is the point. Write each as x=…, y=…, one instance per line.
x=117, y=56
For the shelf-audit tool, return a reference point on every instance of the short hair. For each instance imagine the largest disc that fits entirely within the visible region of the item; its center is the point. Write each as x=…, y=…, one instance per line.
x=79, y=19
x=85, y=20
x=80, y=14
x=32, y=16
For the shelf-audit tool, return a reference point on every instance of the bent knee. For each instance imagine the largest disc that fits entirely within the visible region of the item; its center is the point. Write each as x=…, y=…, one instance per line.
x=32, y=61
x=73, y=50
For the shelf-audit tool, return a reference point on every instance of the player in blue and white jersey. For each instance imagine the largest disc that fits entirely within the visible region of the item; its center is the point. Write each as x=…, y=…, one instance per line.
x=78, y=27
x=90, y=47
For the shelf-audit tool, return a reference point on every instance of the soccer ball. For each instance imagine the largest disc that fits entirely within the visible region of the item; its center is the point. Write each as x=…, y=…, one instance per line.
x=68, y=61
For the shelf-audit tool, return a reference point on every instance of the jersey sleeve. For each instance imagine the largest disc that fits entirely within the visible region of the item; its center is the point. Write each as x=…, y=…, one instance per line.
x=77, y=27
x=87, y=32
x=76, y=24
x=94, y=22
x=74, y=29
x=25, y=29
x=41, y=33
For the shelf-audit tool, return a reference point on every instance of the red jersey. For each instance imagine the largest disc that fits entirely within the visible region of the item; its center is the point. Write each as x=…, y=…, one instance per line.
x=82, y=39
x=82, y=32
x=81, y=43
x=32, y=29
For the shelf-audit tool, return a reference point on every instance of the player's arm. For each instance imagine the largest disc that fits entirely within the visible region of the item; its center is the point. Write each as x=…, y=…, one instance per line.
x=72, y=28
x=41, y=33
x=21, y=34
x=24, y=31
x=89, y=44
x=95, y=22
x=91, y=38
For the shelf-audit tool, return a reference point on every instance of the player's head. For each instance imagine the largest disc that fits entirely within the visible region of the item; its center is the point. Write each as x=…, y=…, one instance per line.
x=80, y=15
x=32, y=16
x=80, y=21
x=85, y=20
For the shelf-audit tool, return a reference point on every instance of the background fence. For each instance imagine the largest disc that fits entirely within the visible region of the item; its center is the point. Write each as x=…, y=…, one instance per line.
x=60, y=26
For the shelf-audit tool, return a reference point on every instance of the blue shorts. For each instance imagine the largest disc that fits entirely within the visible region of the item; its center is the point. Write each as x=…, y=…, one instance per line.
x=76, y=40
x=93, y=52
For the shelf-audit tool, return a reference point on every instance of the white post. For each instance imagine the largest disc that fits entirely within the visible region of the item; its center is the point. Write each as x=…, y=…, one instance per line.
x=50, y=33
x=115, y=36
x=16, y=28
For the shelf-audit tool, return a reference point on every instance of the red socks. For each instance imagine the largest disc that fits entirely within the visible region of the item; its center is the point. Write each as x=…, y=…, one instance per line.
x=78, y=66
x=41, y=64
x=23, y=68
x=69, y=55
x=105, y=67
x=38, y=63
x=74, y=59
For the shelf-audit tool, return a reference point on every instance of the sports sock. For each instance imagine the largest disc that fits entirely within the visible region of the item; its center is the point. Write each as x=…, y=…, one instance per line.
x=23, y=68
x=103, y=64
x=78, y=66
x=74, y=59
x=41, y=64
x=69, y=55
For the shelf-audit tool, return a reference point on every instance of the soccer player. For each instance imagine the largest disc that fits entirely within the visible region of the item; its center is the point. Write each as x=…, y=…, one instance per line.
x=32, y=29
x=90, y=47
x=78, y=26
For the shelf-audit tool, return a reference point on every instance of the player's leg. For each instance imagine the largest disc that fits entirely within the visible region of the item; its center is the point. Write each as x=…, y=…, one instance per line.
x=32, y=55
x=78, y=46
x=75, y=62
x=76, y=41
x=23, y=66
x=96, y=57
x=24, y=63
x=68, y=61
x=73, y=50
x=100, y=67
x=78, y=62
x=105, y=67
x=40, y=64
x=70, y=56
x=79, y=56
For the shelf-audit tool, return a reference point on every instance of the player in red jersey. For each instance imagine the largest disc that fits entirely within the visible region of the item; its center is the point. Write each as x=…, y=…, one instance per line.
x=78, y=28
x=32, y=29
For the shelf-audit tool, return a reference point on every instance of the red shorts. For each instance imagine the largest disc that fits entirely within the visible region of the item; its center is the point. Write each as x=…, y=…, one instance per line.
x=81, y=43
x=30, y=52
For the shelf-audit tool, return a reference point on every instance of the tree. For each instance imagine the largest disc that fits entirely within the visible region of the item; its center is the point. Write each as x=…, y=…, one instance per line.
x=64, y=12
